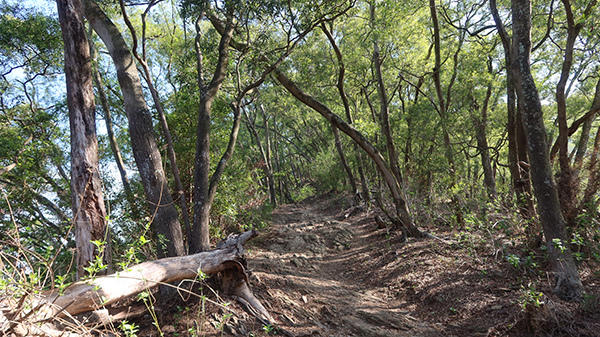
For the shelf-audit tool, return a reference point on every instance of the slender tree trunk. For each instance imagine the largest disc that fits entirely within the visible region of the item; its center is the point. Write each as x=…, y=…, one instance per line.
x=568, y=181
x=161, y=113
x=200, y=239
x=442, y=107
x=279, y=168
x=89, y=212
x=517, y=147
x=344, y=98
x=567, y=282
x=587, y=126
x=340, y=150
x=442, y=104
x=593, y=185
x=143, y=141
x=268, y=160
x=489, y=181
x=593, y=168
x=402, y=211
x=268, y=171
x=220, y=168
x=409, y=124
x=591, y=114
x=384, y=118
x=583, y=142
x=112, y=139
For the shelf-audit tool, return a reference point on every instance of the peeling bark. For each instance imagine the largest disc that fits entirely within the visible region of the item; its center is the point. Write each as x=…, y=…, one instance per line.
x=86, y=187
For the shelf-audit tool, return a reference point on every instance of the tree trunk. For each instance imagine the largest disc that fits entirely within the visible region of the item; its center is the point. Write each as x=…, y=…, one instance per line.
x=400, y=203
x=587, y=202
x=568, y=181
x=143, y=141
x=568, y=284
x=517, y=153
x=442, y=107
x=161, y=115
x=282, y=181
x=89, y=213
x=268, y=171
x=112, y=140
x=340, y=86
x=582, y=145
x=442, y=103
x=340, y=151
x=268, y=160
x=489, y=181
x=384, y=118
x=200, y=239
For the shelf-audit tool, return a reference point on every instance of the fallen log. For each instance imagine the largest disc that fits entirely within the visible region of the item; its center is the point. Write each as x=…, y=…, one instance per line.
x=96, y=293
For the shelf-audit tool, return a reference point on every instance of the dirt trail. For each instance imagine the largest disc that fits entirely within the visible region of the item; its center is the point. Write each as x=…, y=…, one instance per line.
x=309, y=270
x=324, y=268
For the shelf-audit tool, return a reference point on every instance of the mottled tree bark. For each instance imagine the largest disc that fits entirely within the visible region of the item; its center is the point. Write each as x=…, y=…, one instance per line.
x=517, y=150
x=89, y=213
x=143, y=141
x=567, y=282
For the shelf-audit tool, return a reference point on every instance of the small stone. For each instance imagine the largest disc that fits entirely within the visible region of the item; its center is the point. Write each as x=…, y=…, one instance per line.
x=169, y=329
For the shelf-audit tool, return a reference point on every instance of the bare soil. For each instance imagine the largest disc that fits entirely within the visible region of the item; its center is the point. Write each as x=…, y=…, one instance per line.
x=324, y=268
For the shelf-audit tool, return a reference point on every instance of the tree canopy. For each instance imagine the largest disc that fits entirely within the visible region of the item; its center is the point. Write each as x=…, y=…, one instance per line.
x=224, y=109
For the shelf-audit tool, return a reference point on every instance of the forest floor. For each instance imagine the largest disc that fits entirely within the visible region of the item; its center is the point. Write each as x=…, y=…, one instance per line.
x=324, y=268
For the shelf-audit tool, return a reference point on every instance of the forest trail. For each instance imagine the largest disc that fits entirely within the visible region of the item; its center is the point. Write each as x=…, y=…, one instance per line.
x=324, y=268
x=311, y=270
